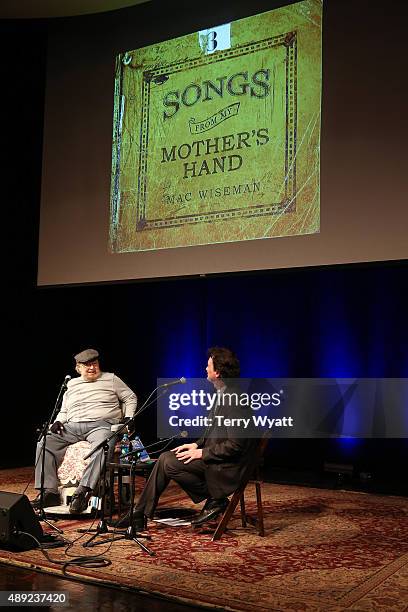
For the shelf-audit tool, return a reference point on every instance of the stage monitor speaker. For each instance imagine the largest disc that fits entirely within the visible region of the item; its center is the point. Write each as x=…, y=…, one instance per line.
x=17, y=516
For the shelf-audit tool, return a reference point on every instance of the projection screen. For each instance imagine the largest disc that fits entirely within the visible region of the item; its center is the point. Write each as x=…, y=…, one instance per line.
x=186, y=144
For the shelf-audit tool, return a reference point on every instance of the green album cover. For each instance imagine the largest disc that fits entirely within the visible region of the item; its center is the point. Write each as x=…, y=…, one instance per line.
x=217, y=134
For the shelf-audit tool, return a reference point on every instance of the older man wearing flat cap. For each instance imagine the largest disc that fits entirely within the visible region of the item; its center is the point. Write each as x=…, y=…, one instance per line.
x=92, y=403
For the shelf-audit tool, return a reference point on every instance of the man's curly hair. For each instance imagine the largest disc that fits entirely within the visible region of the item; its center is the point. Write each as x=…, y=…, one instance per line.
x=225, y=361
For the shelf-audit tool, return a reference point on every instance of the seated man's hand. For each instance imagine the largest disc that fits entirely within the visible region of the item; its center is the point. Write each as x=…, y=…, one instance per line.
x=189, y=454
x=184, y=447
x=57, y=428
x=128, y=421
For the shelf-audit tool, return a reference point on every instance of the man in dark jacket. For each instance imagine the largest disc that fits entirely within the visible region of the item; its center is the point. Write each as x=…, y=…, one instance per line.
x=210, y=468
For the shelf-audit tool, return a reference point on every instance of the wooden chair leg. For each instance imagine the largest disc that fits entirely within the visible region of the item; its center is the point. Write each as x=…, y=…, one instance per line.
x=120, y=485
x=261, y=527
x=243, y=511
x=111, y=492
x=257, y=522
x=222, y=525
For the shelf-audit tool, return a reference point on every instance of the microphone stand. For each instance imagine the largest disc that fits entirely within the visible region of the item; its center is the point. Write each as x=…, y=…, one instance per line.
x=43, y=434
x=130, y=533
x=102, y=527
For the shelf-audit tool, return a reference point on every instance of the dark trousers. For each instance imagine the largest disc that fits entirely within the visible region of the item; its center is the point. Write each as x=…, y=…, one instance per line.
x=190, y=477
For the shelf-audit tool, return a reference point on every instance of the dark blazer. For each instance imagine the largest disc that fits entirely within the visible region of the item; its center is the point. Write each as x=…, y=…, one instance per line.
x=226, y=453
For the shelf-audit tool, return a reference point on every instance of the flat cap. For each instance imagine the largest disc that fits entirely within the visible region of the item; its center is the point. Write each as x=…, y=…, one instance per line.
x=86, y=355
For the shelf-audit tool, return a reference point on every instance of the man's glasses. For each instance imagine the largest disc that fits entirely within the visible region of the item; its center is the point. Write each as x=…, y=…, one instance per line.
x=91, y=365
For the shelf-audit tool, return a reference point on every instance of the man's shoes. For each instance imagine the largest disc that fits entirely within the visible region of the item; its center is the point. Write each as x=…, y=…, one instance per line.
x=50, y=499
x=212, y=508
x=79, y=502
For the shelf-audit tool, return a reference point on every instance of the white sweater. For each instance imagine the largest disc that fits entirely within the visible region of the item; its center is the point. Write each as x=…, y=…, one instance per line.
x=105, y=399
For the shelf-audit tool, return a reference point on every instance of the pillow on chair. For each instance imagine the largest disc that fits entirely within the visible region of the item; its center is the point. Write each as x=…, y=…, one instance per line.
x=71, y=469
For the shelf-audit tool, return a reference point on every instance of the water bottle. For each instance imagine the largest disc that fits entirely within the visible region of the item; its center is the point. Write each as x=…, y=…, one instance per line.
x=137, y=445
x=124, y=448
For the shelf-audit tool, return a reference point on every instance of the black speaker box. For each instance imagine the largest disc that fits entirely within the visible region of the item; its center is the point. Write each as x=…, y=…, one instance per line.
x=17, y=516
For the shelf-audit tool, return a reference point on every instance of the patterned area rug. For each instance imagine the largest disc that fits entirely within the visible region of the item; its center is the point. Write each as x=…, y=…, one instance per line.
x=323, y=550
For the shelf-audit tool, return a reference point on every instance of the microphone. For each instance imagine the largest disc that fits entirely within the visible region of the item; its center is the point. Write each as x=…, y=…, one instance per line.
x=179, y=434
x=179, y=381
x=66, y=381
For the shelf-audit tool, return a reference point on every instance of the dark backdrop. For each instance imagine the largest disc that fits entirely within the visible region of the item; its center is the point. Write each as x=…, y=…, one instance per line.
x=332, y=321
